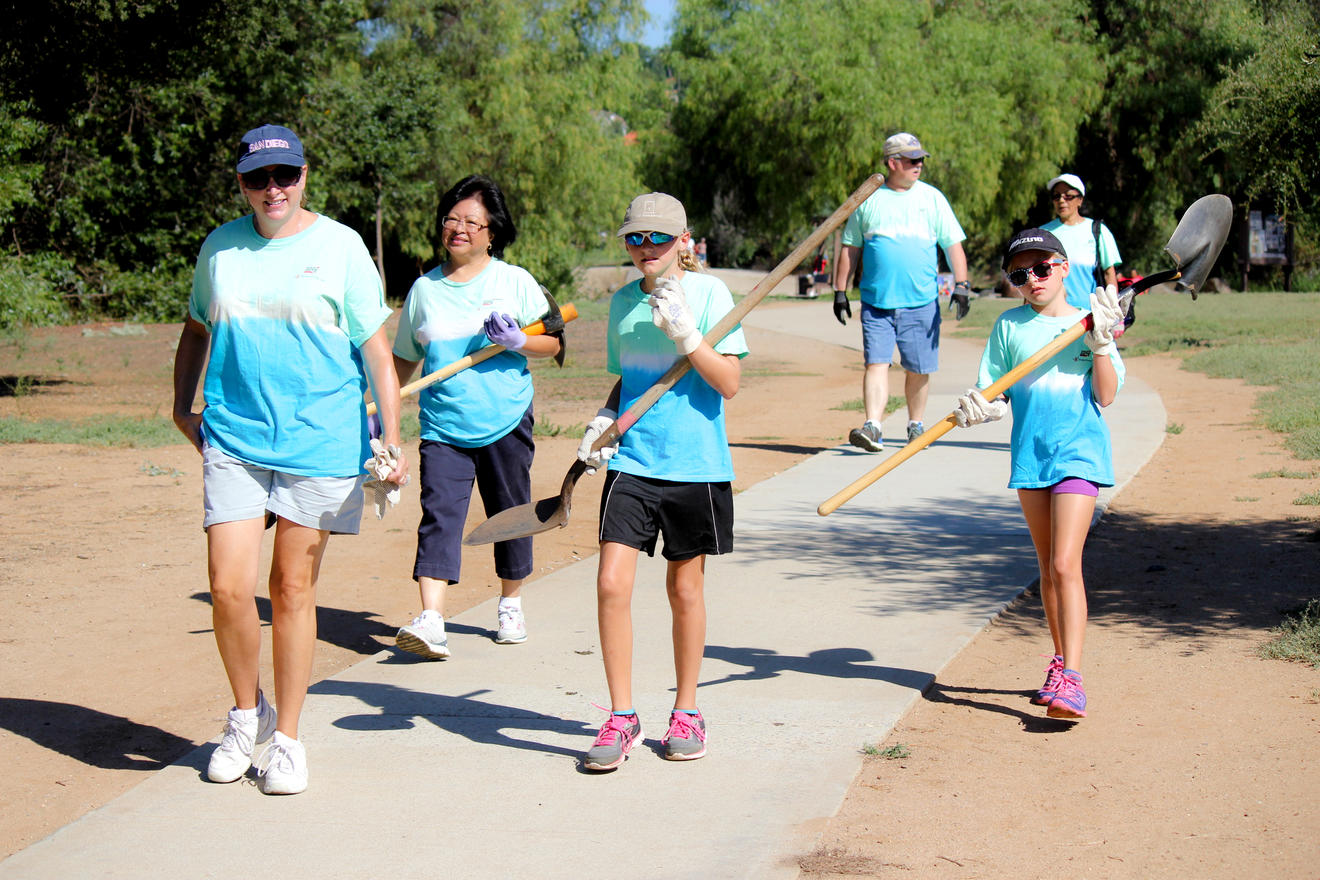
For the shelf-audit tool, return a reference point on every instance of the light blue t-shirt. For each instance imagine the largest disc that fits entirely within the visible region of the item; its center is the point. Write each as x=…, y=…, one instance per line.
x=682, y=436
x=441, y=322
x=1078, y=243
x=284, y=381
x=1057, y=428
x=897, y=232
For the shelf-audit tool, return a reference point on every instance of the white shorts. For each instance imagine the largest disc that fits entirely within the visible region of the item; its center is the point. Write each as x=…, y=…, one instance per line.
x=233, y=490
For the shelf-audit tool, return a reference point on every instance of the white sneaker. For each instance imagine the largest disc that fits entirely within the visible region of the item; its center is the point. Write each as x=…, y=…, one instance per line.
x=425, y=636
x=282, y=768
x=512, y=628
x=233, y=756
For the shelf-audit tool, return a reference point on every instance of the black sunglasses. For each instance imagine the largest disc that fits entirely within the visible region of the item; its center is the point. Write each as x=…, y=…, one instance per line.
x=260, y=178
x=1018, y=277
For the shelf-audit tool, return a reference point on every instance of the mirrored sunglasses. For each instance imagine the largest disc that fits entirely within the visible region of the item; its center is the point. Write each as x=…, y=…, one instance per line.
x=637, y=239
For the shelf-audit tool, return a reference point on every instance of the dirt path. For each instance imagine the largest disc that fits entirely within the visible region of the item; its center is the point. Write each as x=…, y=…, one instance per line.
x=1197, y=760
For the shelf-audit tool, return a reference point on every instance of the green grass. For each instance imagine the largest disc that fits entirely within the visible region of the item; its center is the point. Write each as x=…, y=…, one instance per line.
x=856, y=405
x=1311, y=498
x=1285, y=474
x=896, y=752
x=1173, y=428
x=95, y=431
x=1297, y=638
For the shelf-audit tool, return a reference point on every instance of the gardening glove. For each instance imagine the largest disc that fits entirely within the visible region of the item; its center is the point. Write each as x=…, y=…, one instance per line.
x=670, y=312
x=1106, y=318
x=503, y=330
x=597, y=426
x=960, y=300
x=842, y=306
x=380, y=491
x=973, y=409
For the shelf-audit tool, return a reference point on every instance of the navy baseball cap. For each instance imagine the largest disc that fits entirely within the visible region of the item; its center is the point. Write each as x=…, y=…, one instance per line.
x=269, y=145
x=1033, y=239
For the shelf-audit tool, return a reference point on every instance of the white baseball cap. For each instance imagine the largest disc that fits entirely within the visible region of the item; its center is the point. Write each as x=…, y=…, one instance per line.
x=1071, y=179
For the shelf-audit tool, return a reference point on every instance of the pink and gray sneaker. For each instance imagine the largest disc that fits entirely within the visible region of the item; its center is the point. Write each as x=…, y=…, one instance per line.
x=686, y=739
x=616, y=738
x=1053, y=673
x=1070, y=700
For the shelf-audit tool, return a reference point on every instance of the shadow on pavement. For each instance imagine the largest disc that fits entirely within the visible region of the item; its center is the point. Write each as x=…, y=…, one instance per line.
x=96, y=738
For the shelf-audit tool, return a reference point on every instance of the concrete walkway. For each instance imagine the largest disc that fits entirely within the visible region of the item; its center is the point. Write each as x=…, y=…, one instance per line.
x=822, y=632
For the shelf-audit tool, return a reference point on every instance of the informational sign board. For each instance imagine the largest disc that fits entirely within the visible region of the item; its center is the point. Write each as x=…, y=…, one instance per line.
x=1267, y=239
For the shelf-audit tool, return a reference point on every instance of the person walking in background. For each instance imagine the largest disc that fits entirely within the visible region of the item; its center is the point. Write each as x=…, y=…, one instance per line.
x=1060, y=448
x=290, y=308
x=894, y=233
x=670, y=474
x=1092, y=251
x=701, y=253
x=477, y=424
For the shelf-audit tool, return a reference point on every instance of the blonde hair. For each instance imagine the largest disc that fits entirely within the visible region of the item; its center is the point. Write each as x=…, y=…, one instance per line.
x=687, y=259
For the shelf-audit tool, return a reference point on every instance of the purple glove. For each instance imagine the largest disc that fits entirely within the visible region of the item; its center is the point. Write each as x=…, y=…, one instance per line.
x=503, y=330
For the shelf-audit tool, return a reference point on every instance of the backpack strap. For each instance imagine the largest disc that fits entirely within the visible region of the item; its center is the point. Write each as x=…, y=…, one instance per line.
x=1097, y=271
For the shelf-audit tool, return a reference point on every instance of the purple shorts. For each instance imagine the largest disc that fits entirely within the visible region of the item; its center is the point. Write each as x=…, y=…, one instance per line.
x=1075, y=486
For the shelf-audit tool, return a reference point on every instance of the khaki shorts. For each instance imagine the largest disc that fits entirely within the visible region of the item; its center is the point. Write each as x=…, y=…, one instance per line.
x=234, y=490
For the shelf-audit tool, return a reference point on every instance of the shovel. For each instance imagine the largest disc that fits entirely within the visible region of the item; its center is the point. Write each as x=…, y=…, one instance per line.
x=1194, y=246
x=552, y=512
x=568, y=313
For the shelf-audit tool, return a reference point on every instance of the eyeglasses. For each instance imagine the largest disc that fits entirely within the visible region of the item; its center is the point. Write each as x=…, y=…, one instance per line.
x=283, y=175
x=1067, y=197
x=918, y=161
x=1019, y=277
x=637, y=239
x=470, y=226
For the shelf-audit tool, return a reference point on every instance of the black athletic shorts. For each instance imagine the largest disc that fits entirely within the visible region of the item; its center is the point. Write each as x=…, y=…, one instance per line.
x=696, y=519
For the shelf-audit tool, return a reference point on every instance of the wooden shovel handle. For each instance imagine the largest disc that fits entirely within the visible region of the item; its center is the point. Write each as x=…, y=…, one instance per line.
x=949, y=422
x=568, y=311
x=734, y=316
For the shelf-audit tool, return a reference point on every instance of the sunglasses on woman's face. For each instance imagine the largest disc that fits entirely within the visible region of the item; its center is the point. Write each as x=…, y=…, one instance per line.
x=637, y=239
x=1042, y=270
x=283, y=175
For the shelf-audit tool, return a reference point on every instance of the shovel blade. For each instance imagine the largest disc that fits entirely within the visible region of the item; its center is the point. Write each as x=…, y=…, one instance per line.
x=526, y=520
x=1200, y=236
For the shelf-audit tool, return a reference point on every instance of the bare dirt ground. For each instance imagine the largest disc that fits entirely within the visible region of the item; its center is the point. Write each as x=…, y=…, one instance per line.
x=1197, y=760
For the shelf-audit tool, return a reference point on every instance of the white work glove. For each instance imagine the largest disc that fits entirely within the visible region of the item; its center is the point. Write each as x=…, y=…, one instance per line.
x=670, y=312
x=379, y=491
x=597, y=426
x=1106, y=316
x=974, y=409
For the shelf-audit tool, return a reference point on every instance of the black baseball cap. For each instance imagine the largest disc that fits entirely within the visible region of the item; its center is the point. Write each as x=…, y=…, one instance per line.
x=1033, y=239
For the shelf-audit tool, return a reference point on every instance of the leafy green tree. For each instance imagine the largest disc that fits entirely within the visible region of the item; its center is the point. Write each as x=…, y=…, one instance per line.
x=784, y=108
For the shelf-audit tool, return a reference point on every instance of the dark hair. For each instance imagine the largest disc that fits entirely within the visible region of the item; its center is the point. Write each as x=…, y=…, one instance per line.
x=502, y=231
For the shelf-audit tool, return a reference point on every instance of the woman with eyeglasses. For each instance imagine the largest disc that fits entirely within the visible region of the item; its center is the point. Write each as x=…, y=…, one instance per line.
x=1060, y=452
x=291, y=310
x=477, y=424
x=1092, y=251
x=669, y=474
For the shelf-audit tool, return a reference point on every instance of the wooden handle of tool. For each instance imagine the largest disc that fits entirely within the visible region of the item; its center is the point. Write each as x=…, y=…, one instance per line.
x=948, y=423
x=568, y=311
x=734, y=316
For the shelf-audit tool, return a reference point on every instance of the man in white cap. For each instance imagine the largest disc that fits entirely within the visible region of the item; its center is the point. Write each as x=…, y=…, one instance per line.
x=1089, y=243
x=894, y=233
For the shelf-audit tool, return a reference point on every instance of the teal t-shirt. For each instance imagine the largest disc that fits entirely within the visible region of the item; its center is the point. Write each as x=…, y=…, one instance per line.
x=284, y=380
x=682, y=436
x=1079, y=243
x=1057, y=428
x=898, y=232
x=441, y=322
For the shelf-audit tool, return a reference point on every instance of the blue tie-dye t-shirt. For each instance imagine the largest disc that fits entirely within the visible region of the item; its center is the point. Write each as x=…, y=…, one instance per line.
x=1079, y=245
x=897, y=232
x=1057, y=428
x=682, y=436
x=442, y=323
x=284, y=380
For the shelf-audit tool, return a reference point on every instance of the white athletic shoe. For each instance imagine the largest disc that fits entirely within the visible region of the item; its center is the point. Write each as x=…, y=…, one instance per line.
x=512, y=626
x=233, y=756
x=425, y=636
x=283, y=766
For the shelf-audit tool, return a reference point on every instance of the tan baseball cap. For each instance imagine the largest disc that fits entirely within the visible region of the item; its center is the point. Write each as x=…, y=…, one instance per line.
x=654, y=212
